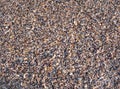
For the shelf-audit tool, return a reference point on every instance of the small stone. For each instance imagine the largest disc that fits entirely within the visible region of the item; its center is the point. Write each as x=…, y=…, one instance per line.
x=25, y=59
x=3, y=61
x=71, y=73
x=75, y=23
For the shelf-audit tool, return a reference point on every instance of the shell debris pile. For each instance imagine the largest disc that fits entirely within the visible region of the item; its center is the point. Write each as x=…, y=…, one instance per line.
x=59, y=44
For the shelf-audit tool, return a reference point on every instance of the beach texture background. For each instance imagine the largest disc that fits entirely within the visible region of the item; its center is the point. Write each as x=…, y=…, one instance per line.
x=59, y=44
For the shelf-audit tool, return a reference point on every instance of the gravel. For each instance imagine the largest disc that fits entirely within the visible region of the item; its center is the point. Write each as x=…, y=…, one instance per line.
x=59, y=44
